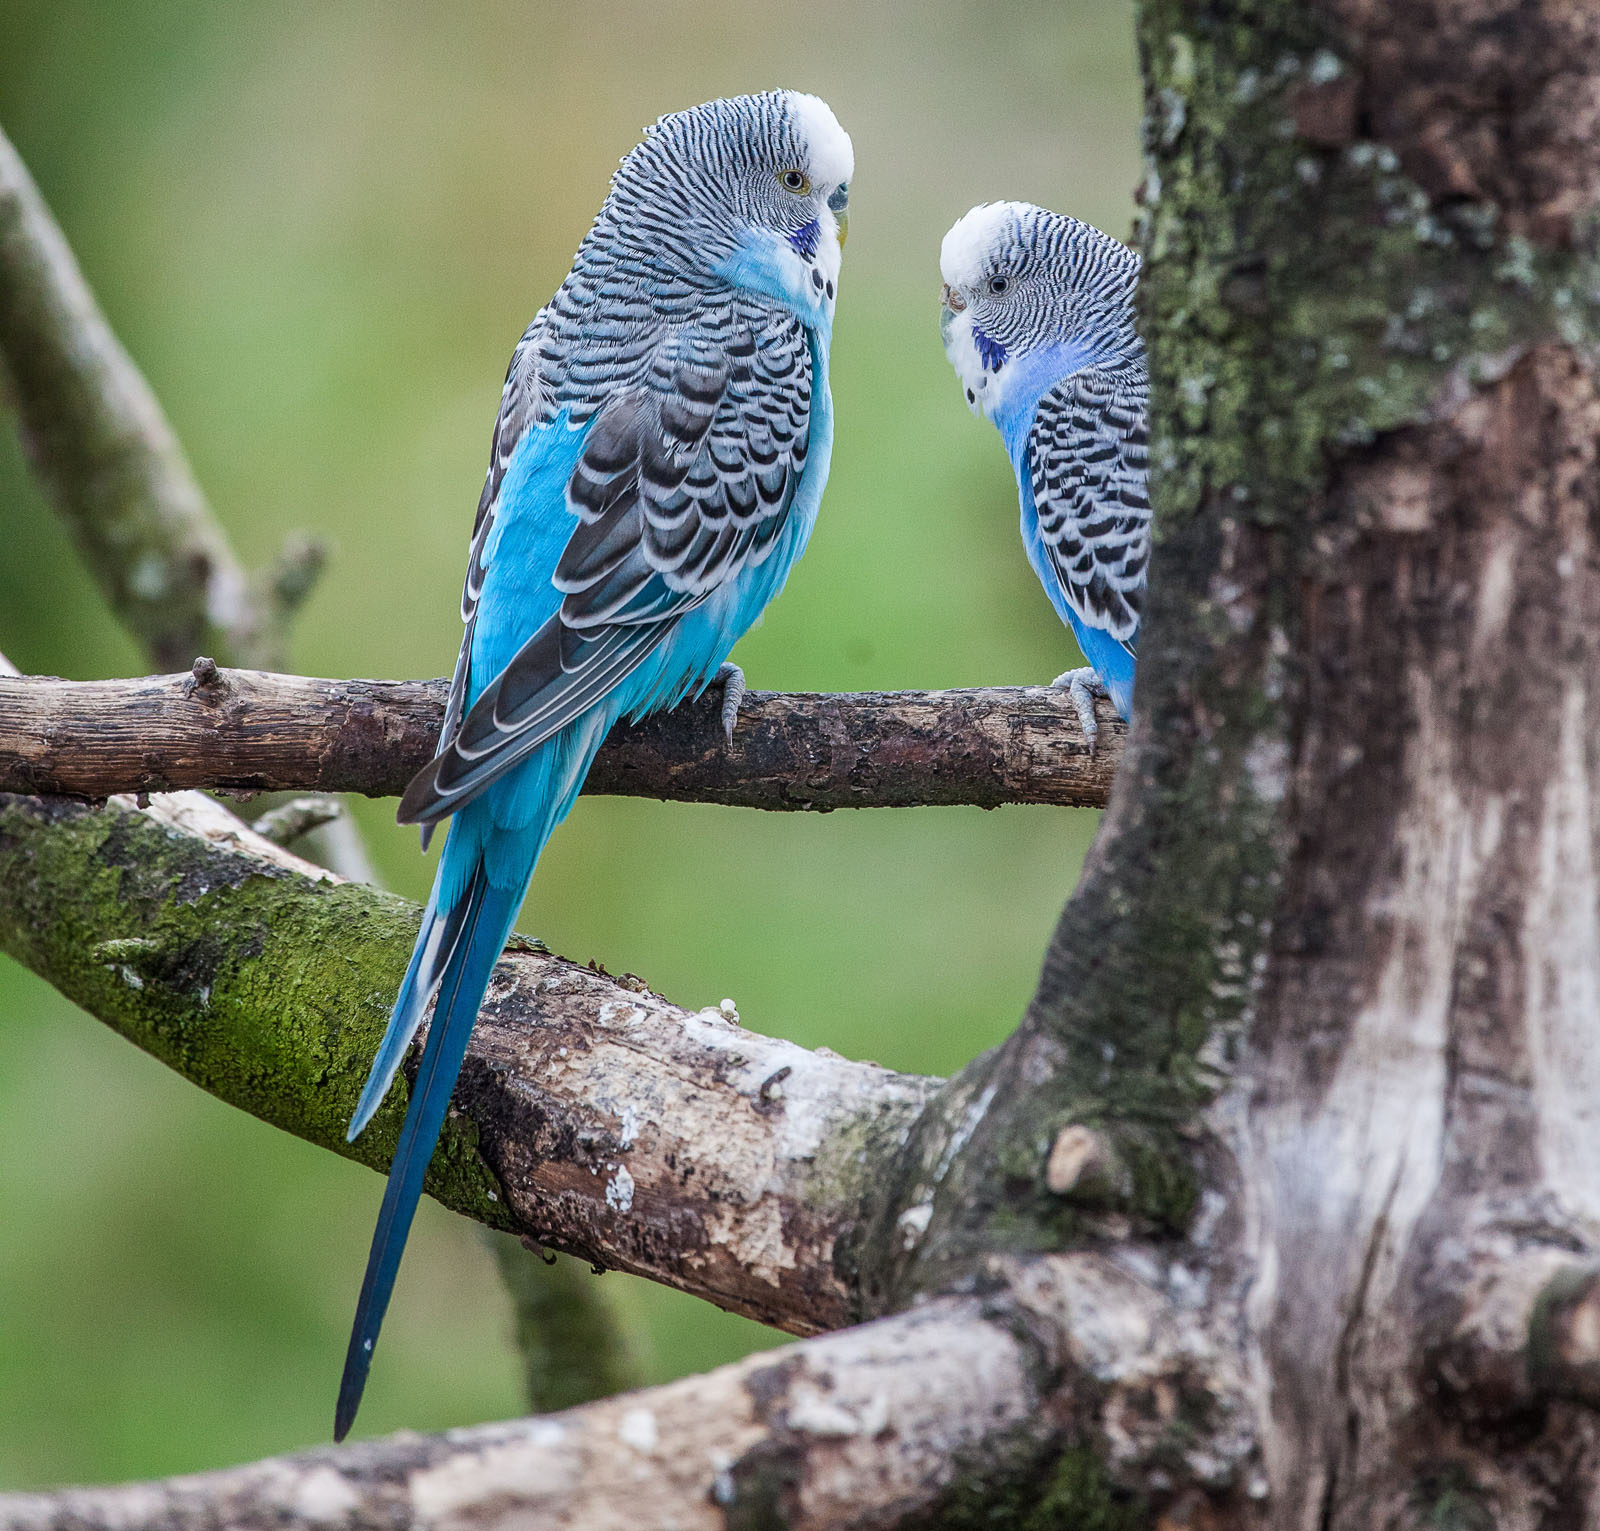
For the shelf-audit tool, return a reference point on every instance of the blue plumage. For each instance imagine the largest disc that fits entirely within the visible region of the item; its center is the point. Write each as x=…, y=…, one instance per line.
x=1038, y=323
x=661, y=451
x=805, y=239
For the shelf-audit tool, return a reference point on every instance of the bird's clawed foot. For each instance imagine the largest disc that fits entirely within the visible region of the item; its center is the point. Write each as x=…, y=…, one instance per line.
x=1083, y=686
x=731, y=678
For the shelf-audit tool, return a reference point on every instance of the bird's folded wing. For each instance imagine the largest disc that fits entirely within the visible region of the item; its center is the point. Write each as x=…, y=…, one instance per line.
x=685, y=479
x=1088, y=456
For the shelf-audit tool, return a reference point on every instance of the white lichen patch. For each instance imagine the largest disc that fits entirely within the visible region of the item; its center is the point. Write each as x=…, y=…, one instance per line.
x=960, y=1137
x=619, y=1190
x=913, y=1223
x=637, y=1428
x=754, y=1238
x=619, y=1013
x=816, y=1413
x=325, y=1497
x=1266, y=764
x=531, y=1467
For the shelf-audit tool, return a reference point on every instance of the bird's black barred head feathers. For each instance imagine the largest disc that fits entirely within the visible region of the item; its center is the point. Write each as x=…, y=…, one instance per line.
x=701, y=178
x=1031, y=277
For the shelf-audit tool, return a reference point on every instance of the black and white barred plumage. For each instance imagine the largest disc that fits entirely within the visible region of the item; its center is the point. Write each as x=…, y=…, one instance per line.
x=704, y=391
x=1038, y=323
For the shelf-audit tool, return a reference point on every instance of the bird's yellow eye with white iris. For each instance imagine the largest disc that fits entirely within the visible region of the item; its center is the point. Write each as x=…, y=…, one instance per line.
x=796, y=181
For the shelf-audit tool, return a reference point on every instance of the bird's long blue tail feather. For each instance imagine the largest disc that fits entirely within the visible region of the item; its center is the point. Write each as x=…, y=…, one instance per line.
x=436, y=943
x=472, y=933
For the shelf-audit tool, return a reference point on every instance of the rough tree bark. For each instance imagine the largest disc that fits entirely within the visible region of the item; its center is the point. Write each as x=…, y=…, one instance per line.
x=616, y=1126
x=243, y=730
x=1285, y=1183
x=1379, y=415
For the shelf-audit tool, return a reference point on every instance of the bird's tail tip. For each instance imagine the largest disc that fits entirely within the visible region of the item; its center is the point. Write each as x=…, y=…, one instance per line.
x=353, y=1382
x=365, y=1110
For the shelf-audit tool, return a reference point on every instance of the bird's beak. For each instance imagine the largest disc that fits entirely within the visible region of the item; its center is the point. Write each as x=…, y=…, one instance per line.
x=842, y=219
x=950, y=304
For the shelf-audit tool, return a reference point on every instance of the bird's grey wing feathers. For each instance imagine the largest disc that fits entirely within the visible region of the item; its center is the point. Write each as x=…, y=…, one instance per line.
x=1089, y=456
x=519, y=400
x=686, y=478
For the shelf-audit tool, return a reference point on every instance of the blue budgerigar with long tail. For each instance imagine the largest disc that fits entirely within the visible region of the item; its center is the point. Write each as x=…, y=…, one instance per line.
x=661, y=449
x=1038, y=323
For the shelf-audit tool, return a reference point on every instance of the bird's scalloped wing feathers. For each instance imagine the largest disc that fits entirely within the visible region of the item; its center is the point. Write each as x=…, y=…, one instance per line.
x=1089, y=457
x=685, y=479
x=519, y=401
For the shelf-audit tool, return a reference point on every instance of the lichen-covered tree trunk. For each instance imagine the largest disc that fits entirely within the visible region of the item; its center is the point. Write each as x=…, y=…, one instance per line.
x=1328, y=998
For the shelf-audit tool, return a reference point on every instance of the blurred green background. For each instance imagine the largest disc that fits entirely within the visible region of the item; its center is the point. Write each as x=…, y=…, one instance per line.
x=320, y=229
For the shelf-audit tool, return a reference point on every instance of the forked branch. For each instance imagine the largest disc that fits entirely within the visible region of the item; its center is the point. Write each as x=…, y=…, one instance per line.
x=958, y=1408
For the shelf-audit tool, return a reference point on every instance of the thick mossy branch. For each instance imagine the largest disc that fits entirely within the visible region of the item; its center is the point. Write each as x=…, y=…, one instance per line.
x=111, y=465
x=243, y=729
x=593, y=1116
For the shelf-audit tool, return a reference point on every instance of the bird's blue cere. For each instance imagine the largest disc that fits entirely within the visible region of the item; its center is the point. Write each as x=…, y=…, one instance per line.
x=660, y=452
x=1037, y=321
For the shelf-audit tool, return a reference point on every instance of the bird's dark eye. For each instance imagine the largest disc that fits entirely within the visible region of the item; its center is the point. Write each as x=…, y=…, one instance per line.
x=998, y=286
x=796, y=181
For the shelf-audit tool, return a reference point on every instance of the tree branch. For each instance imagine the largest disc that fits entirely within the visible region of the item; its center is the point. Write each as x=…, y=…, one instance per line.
x=594, y=1116
x=954, y=1412
x=110, y=462
x=246, y=730
x=574, y=1343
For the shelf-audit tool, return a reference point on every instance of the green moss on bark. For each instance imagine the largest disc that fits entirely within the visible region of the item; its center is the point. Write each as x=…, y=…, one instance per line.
x=1301, y=298
x=1065, y=1491
x=266, y=989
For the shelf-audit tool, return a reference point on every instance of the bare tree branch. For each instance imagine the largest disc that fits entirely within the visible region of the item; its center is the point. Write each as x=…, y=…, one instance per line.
x=296, y=818
x=951, y=1409
x=110, y=462
x=244, y=729
x=575, y=1343
x=594, y=1116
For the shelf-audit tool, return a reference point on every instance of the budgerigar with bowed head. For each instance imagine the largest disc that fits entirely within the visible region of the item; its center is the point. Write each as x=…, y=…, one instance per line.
x=1038, y=323
x=660, y=452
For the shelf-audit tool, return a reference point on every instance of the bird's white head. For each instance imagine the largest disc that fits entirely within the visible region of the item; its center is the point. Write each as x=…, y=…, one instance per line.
x=1022, y=283
x=751, y=190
